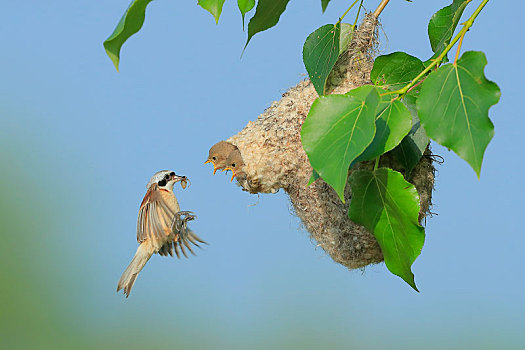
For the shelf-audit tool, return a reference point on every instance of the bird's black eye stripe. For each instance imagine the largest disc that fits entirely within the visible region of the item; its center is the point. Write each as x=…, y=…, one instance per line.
x=162, y=182
x=172, y=173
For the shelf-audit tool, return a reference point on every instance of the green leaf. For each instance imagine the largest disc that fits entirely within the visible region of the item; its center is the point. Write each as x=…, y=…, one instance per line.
x=324, y=4
x=393, y=123
x=267, y=15
x=411, y=149
x=320, y=52
x=453, y=107
x=314, y=177
x=214, y=7
x=347, y=32
x=245, y=6
x=388, y=206
x=395, y=70
x=129, y=24
x=443, y=24
x=337, y=129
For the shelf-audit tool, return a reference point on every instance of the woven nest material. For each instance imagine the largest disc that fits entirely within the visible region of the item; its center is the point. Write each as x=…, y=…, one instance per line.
x=274, y=159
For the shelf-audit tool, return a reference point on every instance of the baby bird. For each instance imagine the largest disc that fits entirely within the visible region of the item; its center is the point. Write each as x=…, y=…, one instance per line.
x=235, y=163
x=161, y=226
x=218, y=154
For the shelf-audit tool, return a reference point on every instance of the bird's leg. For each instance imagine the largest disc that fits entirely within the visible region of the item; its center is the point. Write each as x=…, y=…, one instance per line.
x=180, y=223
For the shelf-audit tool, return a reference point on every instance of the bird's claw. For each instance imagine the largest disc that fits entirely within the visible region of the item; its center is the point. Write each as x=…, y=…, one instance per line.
x=188, y=215
x=180, y=223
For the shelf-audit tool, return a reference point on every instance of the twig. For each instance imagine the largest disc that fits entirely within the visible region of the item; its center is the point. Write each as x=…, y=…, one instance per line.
x=358, y=12
x=438, y=59
x=459, y=47
x=344, y=14
x=380, y=8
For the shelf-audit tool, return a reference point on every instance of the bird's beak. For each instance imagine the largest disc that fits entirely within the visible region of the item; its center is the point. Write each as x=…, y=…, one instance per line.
x=178, y=178
x=233, y=173
x=182, y=179
x=214, y=167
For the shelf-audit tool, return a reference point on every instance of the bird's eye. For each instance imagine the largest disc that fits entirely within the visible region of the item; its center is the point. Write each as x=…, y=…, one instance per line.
x=233, y=165
x=162, y=183
x=167, y=176
x=172, y=173
x=214, y=158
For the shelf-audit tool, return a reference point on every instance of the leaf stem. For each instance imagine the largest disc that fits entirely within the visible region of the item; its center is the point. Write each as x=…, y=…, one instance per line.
x=358, y=12
x=459, y=48
x=416, y=85
x=377, y=163
x=380, y=8
x=438, y=59
x=348, y=10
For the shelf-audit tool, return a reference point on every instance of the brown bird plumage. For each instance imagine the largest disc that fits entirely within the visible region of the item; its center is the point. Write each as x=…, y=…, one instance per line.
x=218, y=154
x=235, y=163
x=161, y=226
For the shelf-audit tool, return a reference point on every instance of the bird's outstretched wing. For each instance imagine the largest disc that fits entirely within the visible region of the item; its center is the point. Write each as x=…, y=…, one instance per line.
x=157, y=220
x=155, y=217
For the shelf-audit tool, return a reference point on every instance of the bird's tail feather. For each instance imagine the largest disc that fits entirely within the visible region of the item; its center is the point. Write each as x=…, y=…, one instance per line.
x=135, y=266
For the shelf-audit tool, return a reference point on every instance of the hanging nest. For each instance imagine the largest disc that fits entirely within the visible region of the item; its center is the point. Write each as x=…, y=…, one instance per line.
x=274, y=158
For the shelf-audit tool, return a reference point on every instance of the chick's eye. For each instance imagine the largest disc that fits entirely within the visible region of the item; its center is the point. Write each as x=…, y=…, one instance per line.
x=233, y=165
x=167, y=176
x=214, y=158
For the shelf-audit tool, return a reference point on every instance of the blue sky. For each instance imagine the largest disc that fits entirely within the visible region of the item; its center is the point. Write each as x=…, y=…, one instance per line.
x=79, y=142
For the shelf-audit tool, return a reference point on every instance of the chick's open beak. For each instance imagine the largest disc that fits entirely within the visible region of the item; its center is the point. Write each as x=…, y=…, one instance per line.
x=214, y=167
x=233, y=173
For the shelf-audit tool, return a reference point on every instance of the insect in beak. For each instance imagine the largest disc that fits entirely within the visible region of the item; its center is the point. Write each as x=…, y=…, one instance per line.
x=182, y=179
x=184, y=182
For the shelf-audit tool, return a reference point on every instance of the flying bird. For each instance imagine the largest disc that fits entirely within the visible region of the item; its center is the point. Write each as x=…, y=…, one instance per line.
x=218, y=154
x=161, y=226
